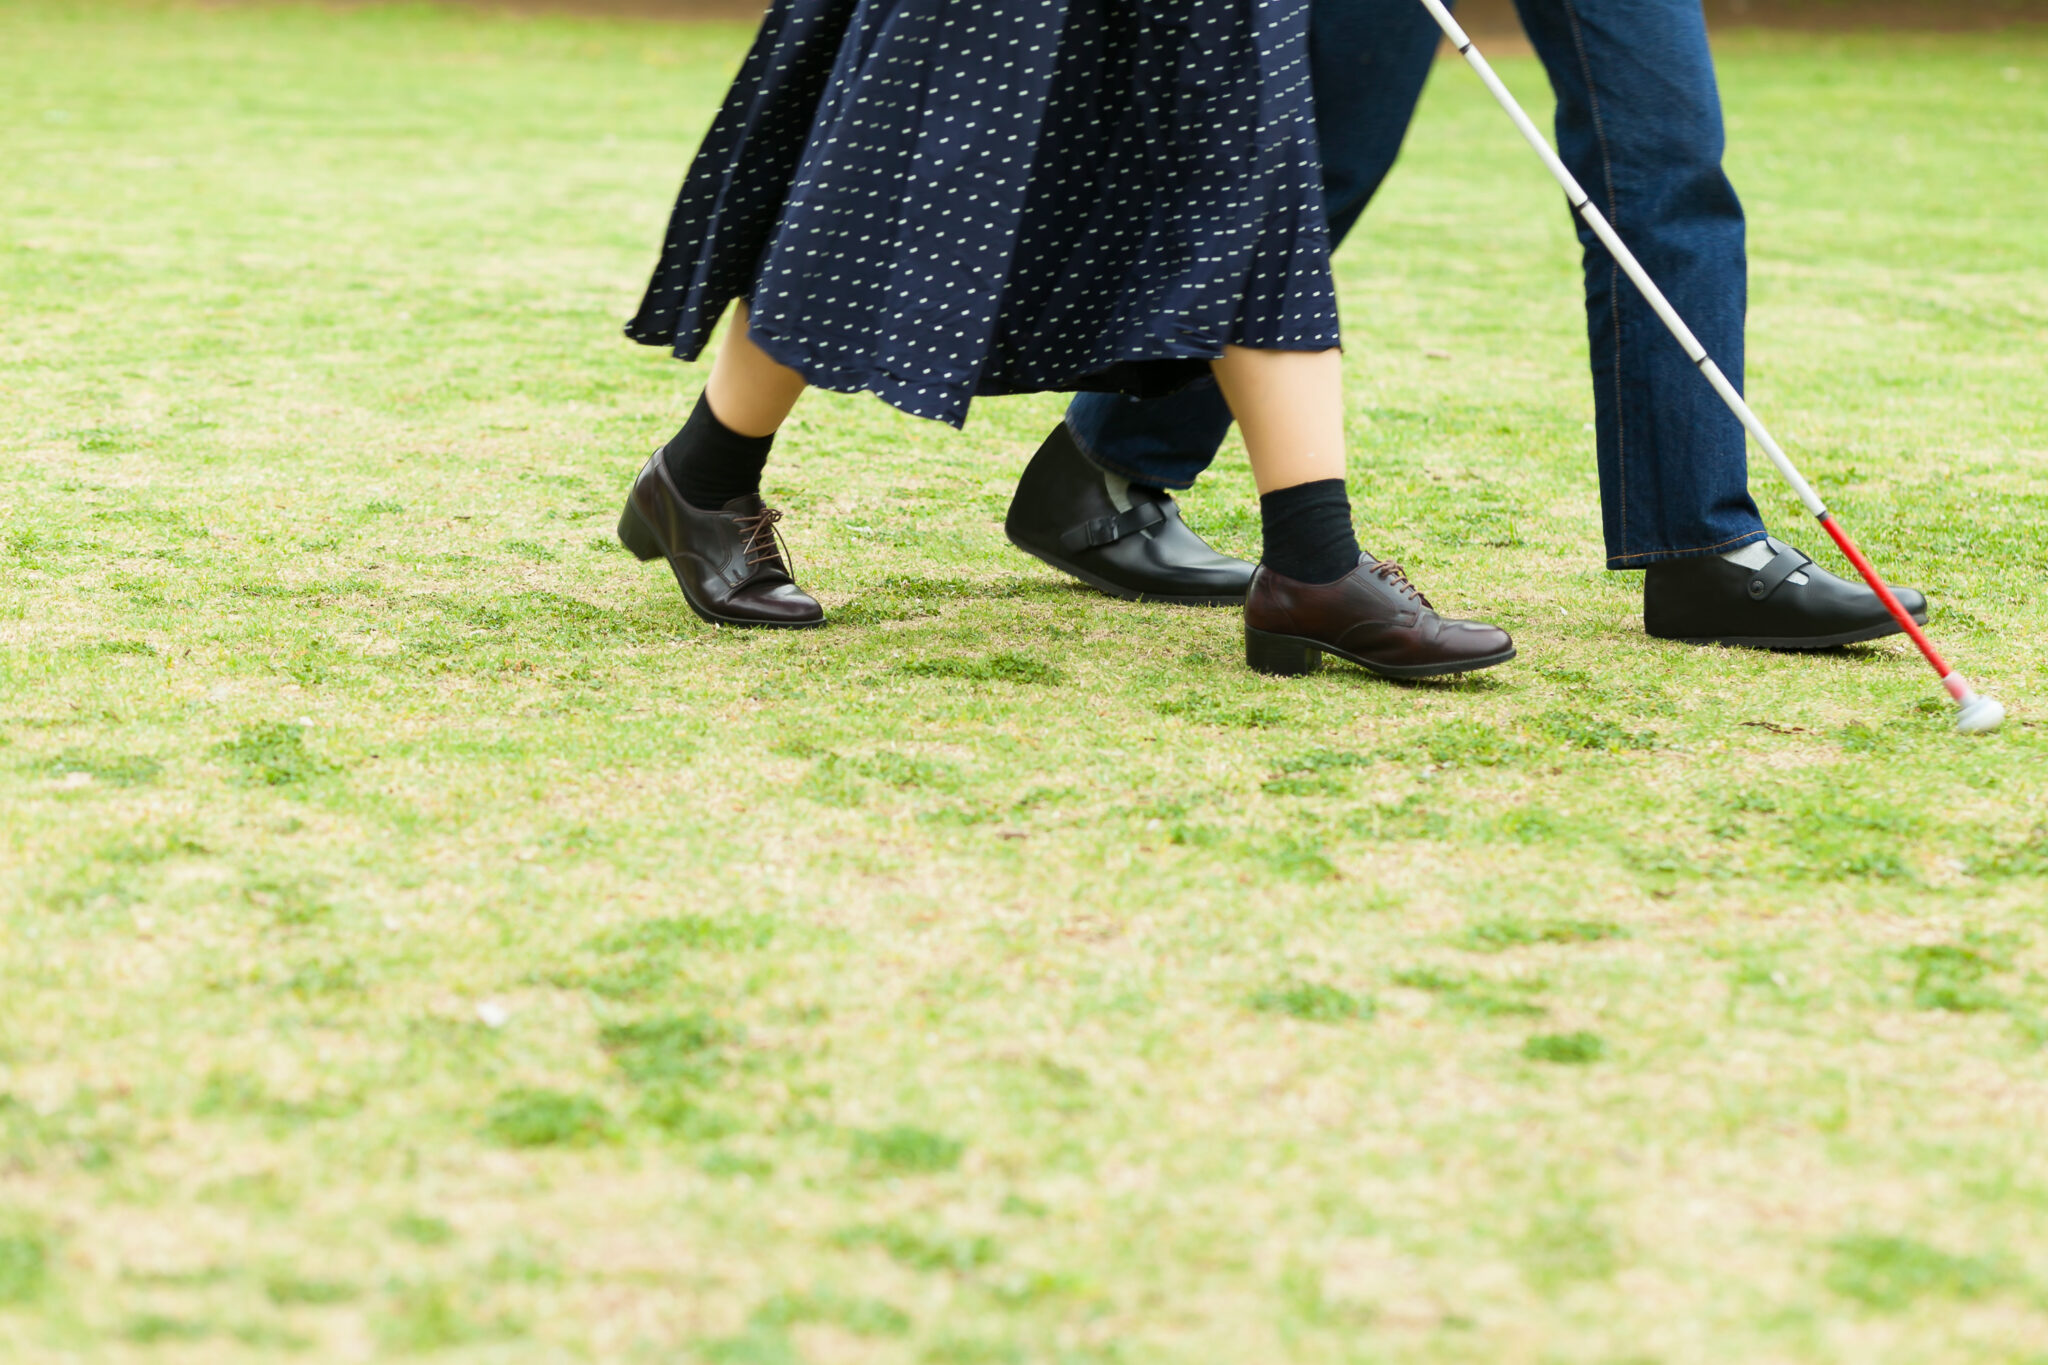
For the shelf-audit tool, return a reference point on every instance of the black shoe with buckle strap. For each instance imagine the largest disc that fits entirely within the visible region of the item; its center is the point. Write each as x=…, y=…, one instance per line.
x=1064, y=514
x=729, y=563
x=1790, y=603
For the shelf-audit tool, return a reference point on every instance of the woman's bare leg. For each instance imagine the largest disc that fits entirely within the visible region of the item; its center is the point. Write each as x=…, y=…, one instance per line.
x=698, y=503
x=1315, y=593
x=748, y=392
x=1290, y=407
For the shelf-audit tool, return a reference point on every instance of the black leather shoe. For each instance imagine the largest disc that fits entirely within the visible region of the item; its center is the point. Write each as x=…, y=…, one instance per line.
x=728, y=563
x=1062, y=513
x=1710, y=601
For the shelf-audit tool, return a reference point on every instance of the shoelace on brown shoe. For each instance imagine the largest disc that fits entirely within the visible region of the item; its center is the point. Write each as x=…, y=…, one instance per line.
x=1395, y=577
x=763, y=543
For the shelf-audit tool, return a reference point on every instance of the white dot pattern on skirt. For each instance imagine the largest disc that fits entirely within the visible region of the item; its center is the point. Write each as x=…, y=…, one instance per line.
x=935, y=199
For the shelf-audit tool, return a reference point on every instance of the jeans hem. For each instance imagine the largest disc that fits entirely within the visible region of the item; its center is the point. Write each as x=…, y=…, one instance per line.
x=1144, y=478
x=1643, y=559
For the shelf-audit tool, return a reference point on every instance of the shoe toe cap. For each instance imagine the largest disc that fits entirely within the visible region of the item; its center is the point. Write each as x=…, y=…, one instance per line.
x=1477, y=639
x=782, y=604
x=1852, y=600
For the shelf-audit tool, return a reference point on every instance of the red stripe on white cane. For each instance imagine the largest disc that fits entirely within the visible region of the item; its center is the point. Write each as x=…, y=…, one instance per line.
x=1885, y=595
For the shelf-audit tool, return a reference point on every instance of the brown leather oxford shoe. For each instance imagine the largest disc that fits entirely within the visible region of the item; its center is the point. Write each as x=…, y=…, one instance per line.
x=1373, y=616
x=728, y=563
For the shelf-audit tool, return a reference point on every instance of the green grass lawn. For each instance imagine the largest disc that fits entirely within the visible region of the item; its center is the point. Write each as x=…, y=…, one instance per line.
x=421, y=935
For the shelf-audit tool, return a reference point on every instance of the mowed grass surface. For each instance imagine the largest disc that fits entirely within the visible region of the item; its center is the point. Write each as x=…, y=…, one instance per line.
x=421, y=935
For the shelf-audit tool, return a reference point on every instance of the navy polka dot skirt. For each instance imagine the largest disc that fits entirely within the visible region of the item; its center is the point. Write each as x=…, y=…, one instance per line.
x=933, y=199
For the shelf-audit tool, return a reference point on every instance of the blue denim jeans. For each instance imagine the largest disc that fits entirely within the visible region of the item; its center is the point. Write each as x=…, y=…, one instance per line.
x=1639, y=123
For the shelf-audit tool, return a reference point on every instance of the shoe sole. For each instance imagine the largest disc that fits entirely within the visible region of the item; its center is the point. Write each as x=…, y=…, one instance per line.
x=1292, y=656
x=1121, y=593
x=1801, y=644
x=637, y=536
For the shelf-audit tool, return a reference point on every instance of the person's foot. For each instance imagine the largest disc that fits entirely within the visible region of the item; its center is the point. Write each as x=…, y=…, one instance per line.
x=1373, y=616
x=728, y=563
x=1135, y=547
x=1789, y=603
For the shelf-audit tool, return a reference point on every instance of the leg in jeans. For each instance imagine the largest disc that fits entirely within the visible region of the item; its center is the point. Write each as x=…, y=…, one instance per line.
x=1639, y=124
x=1370, y=60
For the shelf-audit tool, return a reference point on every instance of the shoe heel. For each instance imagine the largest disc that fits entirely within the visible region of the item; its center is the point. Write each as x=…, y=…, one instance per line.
x=636, y=535
x=1278, y=655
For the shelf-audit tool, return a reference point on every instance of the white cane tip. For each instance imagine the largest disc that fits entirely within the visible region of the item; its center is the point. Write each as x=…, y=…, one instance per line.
x=1979, y=716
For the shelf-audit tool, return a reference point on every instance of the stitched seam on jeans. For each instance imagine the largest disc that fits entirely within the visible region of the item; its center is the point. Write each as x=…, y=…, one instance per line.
x=1746, y=536
x=1571, y=12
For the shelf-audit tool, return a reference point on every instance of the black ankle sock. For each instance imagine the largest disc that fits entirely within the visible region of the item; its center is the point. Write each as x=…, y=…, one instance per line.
x=711, y=464
x=1308, y=532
